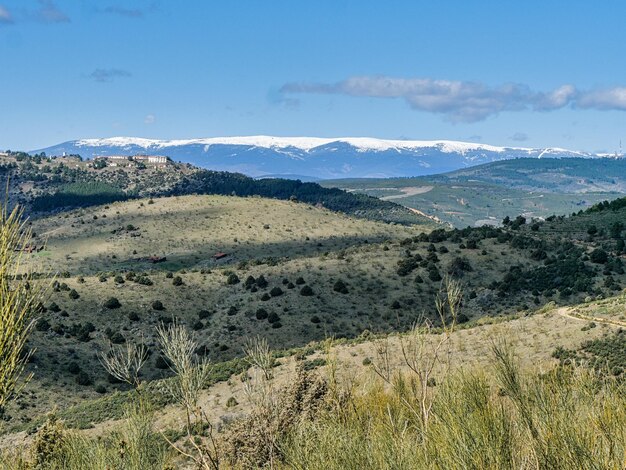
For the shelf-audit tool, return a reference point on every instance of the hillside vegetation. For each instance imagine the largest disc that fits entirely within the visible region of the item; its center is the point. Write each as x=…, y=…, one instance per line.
x=44, y=184
x=311, y=320
x=293, y=273
x=485, y=194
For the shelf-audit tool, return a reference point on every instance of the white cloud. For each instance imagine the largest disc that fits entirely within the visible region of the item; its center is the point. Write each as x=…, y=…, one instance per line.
x=605, y=99
x=149, y=119
x=108, y=75
x=50, y=13
x=519, y=137
x=465, y=101
x=5, y=16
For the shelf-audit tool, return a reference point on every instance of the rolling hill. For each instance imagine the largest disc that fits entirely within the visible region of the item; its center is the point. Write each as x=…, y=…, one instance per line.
x=292, y=273
x=44, y=185
x=485, y=194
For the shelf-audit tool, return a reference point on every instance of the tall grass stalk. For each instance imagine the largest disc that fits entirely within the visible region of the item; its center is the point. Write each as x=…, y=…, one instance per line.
x=566, y=418
x=19, y=299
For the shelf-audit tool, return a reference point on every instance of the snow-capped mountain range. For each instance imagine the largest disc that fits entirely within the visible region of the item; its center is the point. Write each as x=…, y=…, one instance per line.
x=312, y=157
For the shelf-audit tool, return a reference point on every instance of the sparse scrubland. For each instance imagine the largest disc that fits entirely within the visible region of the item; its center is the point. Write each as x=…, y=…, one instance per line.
x=485, y=194
x=206, y=331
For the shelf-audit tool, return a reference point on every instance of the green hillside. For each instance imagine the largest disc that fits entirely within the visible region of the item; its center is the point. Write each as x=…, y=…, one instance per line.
x=294, y=274
x=485, y=194
x=50, y=184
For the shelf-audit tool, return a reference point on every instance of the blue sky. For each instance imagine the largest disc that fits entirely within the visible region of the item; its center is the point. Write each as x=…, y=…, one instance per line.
x=523, y=73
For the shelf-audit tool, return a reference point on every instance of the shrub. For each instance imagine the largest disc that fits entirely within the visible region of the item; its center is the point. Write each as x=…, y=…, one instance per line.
x=169, y=275
x=300, y=281
x=340, y=287
x=177, y=281
x=306, y=291
x=261, y=314
x=265, y=297
x=232, y=311
x=53, y=307
x=459, y=266
x=197, y=325
x=42, y=325
x=276, y=292
x=203, y=314
x=117, y=338
x=315, y=319
x=49, y=444
x=433, y=275
x=133, y=316
x=112, y=303
x=273, y=317
x=462, y=318
x=599, y=256
x=161, y=362
x=119, y=279
x=232, y=279
x=144, y=280
x=261, y=282
x=249, y=282
x=232, y=401
x=73, y=294
x=101, y=389
x=82, y=378
x=73, y=368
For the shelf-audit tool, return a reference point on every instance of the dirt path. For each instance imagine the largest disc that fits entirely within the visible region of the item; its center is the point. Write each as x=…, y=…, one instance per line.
x=419, y=212
x=567, y=313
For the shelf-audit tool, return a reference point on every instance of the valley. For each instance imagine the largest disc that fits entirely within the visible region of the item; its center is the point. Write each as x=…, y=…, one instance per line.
x=485, y=194
x=127, y=249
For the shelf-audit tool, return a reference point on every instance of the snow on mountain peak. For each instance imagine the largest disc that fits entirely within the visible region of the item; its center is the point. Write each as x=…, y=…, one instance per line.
x=301, y=143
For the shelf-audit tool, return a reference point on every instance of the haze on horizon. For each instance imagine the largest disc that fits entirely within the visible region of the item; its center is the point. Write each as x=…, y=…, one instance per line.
x=501, y=74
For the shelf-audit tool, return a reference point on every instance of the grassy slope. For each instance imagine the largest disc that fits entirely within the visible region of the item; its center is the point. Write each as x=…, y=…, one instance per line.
x=468, y=203
x=190, y=229
x=487, y=193
x=534, y=338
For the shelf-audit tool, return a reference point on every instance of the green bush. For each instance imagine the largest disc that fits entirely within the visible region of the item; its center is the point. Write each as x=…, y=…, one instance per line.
x=340, y=287
x=273, y=317
x=204, y=314
x=42, y=324
x=112, y=303
x=276, y=292
x=82, y=378
x=117, y=338
x=306, y=291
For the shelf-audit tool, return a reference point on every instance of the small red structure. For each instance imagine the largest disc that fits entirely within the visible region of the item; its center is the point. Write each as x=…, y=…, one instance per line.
x=30, y=248
x=219, y=255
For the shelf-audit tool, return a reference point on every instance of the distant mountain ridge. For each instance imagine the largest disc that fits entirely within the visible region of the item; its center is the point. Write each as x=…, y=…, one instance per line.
x=323, y=158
